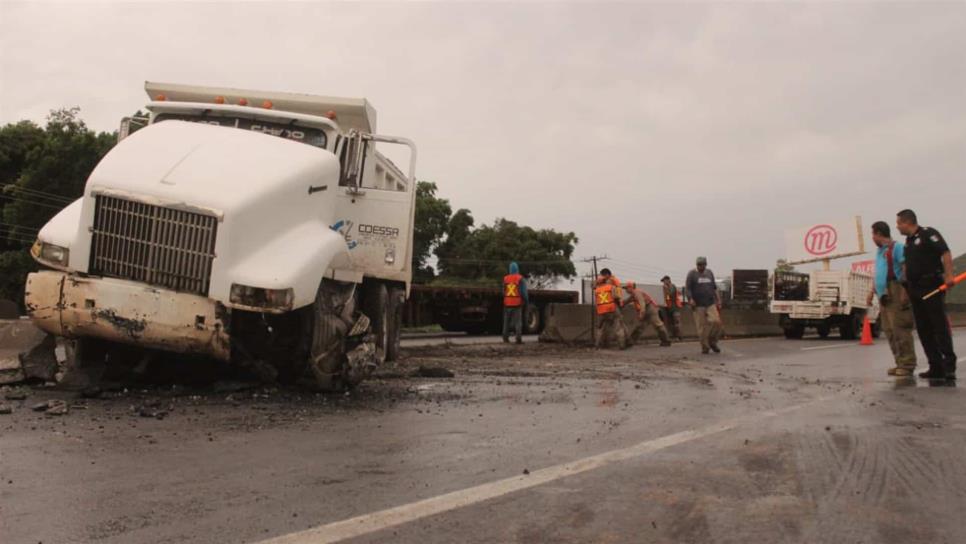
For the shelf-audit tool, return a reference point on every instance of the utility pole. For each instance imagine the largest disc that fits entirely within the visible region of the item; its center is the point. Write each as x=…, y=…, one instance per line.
x=593, y=303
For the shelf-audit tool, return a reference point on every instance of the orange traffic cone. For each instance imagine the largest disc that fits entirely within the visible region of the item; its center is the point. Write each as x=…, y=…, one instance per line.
x=866, y=333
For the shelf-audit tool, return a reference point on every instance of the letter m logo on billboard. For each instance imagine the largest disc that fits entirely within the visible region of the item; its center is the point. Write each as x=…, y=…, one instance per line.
x=825, y=240
x=821, y=240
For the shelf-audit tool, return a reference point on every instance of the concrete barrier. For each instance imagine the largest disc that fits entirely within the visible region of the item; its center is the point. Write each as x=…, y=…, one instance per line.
x=571, y=323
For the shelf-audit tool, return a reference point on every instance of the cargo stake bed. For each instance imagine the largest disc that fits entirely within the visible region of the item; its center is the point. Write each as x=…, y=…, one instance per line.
x=274, y=236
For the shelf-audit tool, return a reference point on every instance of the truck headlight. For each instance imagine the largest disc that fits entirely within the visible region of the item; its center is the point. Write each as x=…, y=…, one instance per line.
x=50, y=254
x=271, y=300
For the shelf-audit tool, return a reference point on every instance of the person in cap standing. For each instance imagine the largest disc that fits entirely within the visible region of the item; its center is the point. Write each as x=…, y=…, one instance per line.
x=647, y=314
x=514, y=301
x=896, y=312
x=703, y=295
x=929, y=264
x=672, y=307
x=607, y=303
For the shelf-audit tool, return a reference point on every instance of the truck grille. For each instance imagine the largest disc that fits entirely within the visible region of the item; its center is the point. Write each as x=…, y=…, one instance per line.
x=153, y=244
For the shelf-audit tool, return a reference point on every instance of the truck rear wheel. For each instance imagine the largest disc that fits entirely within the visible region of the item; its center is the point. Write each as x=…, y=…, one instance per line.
x=824, y=331
x=849, y=330
x=532, y=320
x=795, y=332
x=376, y=307
x=397, y=299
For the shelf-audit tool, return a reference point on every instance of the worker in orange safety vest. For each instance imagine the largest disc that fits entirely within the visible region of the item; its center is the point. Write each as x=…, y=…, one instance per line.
x=672, y=307
x=514, y=303
x=608, y=297
x=647, y=314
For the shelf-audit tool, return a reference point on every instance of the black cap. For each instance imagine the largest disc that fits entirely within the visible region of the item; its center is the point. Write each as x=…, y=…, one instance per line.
x=605, y=272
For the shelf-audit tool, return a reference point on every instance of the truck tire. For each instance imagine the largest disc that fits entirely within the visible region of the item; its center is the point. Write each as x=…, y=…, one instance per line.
x=795, y=332
x=397, y=299
x=532, y=320
x=376, y=307
x=331, y=313
x=824, y=331
x=849, y=330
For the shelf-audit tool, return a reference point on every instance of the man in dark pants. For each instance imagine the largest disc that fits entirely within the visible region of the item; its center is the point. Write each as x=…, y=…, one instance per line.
x=929, y=264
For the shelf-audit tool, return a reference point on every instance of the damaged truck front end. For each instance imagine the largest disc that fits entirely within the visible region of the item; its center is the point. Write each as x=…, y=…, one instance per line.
x=73, y=306
x=212, y=231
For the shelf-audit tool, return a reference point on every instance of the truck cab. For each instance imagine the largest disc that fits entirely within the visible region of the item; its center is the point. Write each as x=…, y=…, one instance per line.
x=255, y=227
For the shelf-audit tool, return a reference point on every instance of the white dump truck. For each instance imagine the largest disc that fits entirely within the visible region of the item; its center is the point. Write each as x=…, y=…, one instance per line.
x=260, y=228
x=823, y=299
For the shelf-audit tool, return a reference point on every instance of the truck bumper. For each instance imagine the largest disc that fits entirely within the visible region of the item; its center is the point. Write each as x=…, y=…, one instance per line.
x=73, y=306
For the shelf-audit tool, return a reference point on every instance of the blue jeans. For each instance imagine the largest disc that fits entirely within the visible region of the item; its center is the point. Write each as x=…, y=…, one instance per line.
x=513, y=317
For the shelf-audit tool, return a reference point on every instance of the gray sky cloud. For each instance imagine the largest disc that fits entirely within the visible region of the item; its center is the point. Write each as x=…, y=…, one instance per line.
x=656, y=132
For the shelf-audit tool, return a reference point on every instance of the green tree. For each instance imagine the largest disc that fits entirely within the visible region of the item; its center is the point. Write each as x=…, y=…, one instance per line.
x=482, y=254
x=17, y=141
x=43, y=171
x=432, y=218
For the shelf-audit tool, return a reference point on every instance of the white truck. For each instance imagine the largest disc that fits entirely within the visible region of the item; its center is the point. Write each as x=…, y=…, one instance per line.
x=823, y=299
x=260, y=228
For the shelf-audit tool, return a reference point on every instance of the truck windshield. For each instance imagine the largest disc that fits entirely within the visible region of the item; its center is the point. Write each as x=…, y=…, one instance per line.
x=307, y=135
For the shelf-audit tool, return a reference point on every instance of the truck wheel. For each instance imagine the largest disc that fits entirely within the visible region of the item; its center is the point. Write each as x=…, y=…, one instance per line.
x=397, y=299
x=824, y=331
x=532, y=320
x=795, y=332
x=332, y=315
x=849, y=330
x=376, y=307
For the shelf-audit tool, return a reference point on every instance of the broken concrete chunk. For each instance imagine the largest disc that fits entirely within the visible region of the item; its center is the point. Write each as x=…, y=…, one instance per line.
x=11, y=370
x=40, y=407
x=57, y=408
x=6, y=409
x=15, y=393
x=39, y=362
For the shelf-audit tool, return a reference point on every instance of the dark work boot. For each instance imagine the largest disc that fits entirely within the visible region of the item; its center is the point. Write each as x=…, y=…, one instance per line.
x=934, y=373
x=715, y=348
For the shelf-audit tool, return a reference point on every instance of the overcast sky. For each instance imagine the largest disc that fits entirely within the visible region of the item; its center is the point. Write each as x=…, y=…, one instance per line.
x=656, y=132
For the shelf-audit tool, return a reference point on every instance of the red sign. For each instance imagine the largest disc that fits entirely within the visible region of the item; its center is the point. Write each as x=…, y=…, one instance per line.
x=821, y=240
x=864, y=266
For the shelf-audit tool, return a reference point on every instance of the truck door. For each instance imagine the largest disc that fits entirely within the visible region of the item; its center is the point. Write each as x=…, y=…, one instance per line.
x=375, y=206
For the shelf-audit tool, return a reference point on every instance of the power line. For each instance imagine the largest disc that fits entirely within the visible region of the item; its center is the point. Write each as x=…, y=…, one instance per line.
x=37, y=192
x=15, y=226
x=32, y=202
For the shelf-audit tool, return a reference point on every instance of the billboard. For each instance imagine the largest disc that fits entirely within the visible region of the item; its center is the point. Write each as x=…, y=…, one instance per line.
x=825, y=240
x=867, y=267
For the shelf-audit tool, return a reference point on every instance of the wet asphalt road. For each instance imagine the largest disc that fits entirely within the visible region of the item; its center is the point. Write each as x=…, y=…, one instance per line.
x=772, y=441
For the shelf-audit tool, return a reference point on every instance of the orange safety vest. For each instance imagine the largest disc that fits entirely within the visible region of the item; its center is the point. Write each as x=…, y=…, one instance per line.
x=511, y=291
x=605, y=299
x=671, y=304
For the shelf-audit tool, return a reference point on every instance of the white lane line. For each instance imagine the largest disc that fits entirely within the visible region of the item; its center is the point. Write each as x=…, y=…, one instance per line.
x=827, y=347
x=377, y=521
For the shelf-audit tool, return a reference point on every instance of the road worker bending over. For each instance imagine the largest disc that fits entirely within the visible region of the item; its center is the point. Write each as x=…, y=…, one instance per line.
x=607, y=301
x=647, y=314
